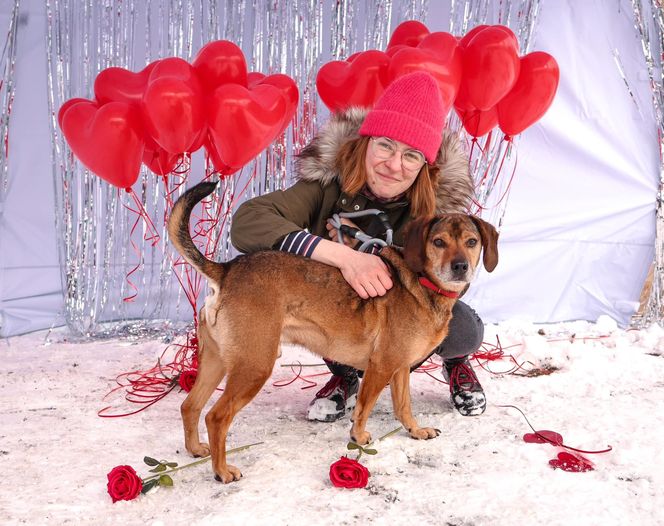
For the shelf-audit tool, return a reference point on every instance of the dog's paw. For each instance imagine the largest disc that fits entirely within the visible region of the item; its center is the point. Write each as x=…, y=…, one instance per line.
x=230, y=474
x=424, y=433
x=200, y=450
x=360, y=437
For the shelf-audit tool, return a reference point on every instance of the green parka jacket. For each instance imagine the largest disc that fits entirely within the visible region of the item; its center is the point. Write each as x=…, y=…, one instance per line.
x=261, y=223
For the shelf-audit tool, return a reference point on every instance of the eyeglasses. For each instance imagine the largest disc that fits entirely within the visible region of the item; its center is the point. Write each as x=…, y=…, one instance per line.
x=385, y=148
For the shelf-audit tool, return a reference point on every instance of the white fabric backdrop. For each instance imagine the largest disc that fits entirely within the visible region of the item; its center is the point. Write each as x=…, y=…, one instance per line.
x=578, y=235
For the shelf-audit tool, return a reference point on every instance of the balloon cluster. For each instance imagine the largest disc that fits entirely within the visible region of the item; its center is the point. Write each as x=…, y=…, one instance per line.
x=172, y=107
x=480, y=74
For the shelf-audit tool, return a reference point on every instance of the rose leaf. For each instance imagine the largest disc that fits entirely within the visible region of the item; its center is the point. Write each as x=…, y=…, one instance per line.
x=148, y=486
x=165, y=480
x=150, y=461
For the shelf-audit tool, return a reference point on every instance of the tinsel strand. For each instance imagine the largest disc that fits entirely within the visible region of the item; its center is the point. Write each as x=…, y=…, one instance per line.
x=7, y=89
x=654, y=311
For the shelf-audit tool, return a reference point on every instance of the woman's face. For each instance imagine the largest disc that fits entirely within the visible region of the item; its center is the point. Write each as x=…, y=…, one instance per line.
x=386, y=175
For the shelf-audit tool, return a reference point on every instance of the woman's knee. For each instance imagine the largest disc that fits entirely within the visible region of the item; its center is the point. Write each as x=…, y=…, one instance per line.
x=465, y=334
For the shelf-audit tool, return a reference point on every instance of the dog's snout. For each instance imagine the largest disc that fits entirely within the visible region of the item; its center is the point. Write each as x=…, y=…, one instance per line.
x=459, y=266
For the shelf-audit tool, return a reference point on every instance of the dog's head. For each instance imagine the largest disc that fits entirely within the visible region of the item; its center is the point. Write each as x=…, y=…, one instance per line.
x=447, y=248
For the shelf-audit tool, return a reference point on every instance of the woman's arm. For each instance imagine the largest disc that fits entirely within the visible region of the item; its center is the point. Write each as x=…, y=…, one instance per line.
x=260, y=223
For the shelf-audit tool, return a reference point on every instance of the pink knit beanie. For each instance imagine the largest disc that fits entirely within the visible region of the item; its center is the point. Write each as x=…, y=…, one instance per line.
x=409, y=111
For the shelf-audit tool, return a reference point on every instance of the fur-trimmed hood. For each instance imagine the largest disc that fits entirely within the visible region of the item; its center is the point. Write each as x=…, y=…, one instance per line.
x=316, y=162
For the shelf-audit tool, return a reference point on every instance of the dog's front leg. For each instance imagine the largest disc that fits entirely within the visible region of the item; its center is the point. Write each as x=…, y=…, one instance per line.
x=373, y=383
x=400, y=389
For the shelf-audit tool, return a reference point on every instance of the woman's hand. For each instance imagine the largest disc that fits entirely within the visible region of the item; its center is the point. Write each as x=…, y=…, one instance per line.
x=367, y=274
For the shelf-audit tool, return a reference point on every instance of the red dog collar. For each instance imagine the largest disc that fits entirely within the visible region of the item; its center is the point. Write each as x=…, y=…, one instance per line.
x=428, y=284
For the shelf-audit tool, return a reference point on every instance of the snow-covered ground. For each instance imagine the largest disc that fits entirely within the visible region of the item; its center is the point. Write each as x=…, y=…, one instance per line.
x=608, y=389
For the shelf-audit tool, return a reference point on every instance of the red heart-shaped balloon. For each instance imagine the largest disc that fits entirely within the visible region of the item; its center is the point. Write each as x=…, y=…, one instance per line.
x=343, y=84
x=122, y=85
x=353, y=56
x=532, y=94
x=408, y=33
x=393, y=50
x=243, y=122
x=437, y=55
x=220, y=62
x=573, y=463
x=288, y=89
x=107, y=139
x=490, y=69
x=159, y=160
x=544, y=436
x=463, y=41
x=200, y=140
x=220, y=167
x=68, y=104
x=478, y=123
x=174, y=114
x=510, y=34
x=173, y=67
x=254, y=77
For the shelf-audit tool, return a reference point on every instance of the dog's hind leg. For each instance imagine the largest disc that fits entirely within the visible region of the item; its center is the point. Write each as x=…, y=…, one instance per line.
x=400, y=390
x=210, y=373
x=243, y=383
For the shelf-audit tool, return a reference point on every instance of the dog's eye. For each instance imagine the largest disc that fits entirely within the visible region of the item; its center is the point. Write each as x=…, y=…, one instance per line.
x=471, y=243
x=439, y=243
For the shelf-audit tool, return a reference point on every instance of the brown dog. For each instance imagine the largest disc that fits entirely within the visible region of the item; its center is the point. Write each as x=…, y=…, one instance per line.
x=261, y=300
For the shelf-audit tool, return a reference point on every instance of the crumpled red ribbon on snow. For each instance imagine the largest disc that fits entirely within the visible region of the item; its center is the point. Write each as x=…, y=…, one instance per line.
x=567, y=461
x=570, y=459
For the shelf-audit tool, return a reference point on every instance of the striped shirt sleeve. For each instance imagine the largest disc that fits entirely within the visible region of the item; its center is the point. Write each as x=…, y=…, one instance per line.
x=300, y=242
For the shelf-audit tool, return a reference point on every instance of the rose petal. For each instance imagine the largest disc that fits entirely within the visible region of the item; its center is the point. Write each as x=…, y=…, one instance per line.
x=544, y=436
x=572, y=463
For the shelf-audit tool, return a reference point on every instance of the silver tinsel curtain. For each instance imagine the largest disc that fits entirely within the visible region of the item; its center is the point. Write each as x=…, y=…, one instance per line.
x=649, y=25
x=103, y=258
x=7, y=67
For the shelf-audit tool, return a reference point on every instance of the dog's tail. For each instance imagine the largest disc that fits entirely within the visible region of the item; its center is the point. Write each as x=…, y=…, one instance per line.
x=178, y=229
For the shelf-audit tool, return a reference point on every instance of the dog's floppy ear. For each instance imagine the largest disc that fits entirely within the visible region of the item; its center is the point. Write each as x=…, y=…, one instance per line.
x=414, y=247
x=489, y=237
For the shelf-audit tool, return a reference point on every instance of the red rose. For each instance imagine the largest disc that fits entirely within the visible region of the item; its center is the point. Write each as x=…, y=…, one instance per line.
x=348, y=473
x=187, y=379
x=124, y=483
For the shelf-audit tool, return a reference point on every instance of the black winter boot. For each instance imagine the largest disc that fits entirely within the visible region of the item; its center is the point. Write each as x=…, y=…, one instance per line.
x=466, y=393
x=336, y=399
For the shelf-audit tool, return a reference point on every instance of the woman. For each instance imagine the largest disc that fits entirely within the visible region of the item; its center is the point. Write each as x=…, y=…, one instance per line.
x=395, y=159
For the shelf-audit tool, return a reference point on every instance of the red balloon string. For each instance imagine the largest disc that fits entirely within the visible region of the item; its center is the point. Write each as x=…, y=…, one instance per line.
x=545, y=436
x=146, y=388
x=484, y=150
x=516, y=161
x=298, y=376
x=485, y=175
x=473, y=143
x=428, y=367
x=150, y=235
x=490, y=352
x=487, y=144
x=233, y=199
x=139, y=255
x=178, y=173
